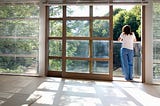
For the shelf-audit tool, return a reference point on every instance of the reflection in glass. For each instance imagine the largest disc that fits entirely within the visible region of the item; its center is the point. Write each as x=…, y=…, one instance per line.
x=55, y=48
x=77, y=28
x=156, y=41
x=55, y=28
x=55, y=11
x=77, y=48
x=156, y=59
x=55, y=65
x=100, y=67
x=79, y=66
x=156, y=50
x=18, y=65
x=101, y=28
x=18, y=46
x=29, y=28
x=19, y=43
x=31, y=46
x=12, y=11
x=78, y=11
x=100, y=49
x=100, y=11
x=7, y=46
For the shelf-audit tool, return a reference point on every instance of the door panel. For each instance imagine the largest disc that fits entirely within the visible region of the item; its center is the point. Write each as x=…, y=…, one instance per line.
x=79, y=45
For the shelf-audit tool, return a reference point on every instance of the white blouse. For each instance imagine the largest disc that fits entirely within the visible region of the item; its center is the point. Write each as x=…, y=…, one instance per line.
x=127, y=40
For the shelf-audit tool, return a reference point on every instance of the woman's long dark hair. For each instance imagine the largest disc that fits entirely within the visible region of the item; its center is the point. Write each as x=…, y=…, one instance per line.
x=127, y=30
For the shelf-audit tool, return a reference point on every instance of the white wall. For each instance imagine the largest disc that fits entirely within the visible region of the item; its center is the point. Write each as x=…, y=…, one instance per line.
x=42, y=41
x=148, y=44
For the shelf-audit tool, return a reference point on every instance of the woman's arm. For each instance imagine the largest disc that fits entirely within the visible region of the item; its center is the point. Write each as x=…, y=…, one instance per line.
x=134, y=37
x=120, y=38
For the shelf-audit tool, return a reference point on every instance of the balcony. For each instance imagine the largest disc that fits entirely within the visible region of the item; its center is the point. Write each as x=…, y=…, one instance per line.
x=117, y=71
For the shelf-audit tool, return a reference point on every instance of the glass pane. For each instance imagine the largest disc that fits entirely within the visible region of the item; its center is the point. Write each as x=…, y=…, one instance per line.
x=156, y=71
x=156, y=59
x=78, y=11
x=100, y=67
x=77, y=28
x=156, y=41
x=55, y=48
x=19, y=31
x=26, y=46
x=156, y=21
x=19, y=46
x=19, y=27
x=55, y=65
x=156, y=51
x=18, y=65
x=101, y=28
x=100, y=11
x=79, y=66
x=77, y=48
x=19, y=11
x=7, y=46
x=55, y=28
x=55, y=11
x=100, y=49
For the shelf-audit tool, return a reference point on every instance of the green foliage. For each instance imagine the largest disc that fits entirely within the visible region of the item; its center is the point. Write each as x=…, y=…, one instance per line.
x=118, y=23
x=131, y=17
x=17, y=23
x=55, y=65
x=156, y=9
x=116, y=11
x=100, y=28
x=77, y=28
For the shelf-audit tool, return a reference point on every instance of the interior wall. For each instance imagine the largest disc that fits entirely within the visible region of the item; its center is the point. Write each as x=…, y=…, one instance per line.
x=148, y=44
x=42, y=41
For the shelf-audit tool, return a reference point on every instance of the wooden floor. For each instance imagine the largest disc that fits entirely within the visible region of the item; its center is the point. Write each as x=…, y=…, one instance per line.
x=49, y=91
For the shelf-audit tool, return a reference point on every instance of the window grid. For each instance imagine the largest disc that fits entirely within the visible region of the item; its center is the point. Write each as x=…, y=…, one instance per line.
x=67, y=36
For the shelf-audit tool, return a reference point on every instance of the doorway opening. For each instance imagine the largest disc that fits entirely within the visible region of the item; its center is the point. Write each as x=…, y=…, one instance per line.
x=131, y=15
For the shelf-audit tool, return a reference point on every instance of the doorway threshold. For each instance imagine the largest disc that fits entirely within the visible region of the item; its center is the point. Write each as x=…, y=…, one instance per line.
x=115, y=78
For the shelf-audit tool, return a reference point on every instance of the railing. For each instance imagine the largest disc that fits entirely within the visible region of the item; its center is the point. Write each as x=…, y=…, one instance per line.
x=136, y=60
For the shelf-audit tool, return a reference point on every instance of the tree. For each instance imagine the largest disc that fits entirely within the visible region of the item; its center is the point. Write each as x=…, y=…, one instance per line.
x=118, y=23
x=131, y=17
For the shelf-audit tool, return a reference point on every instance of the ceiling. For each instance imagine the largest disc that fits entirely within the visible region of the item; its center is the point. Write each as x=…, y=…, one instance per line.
x=76, y=1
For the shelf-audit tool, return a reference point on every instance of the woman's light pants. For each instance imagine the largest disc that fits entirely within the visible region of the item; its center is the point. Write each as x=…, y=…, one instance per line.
x=127, y=63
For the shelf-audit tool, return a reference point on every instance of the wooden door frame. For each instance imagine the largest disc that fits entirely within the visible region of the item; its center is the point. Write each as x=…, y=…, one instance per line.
x=110, y=77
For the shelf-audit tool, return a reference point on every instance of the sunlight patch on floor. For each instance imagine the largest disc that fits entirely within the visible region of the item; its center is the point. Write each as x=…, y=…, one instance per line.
x=142, y=97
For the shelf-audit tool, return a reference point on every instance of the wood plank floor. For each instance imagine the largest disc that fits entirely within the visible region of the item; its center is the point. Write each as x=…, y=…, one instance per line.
x=50, y=91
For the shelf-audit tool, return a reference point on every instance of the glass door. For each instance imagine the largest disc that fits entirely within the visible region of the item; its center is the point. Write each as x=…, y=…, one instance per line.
x=79, y=41
x=156, y=41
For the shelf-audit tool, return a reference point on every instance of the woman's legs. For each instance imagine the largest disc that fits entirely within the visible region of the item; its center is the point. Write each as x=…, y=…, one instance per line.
x=127, y=63
x=130, y=64
x=124, y=59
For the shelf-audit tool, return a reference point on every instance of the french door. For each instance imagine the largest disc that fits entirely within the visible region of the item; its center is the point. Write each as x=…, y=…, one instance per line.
x=79, y=41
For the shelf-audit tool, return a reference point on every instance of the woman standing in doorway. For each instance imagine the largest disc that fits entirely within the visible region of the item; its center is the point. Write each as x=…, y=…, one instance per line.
x=127, y=38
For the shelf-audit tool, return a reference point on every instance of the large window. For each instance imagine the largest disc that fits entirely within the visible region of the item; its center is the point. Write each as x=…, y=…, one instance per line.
x=156, y=41
x=79, y=39
x=19, y=37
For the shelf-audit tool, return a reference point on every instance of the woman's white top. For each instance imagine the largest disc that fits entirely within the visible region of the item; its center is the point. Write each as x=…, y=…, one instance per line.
x=127, y=40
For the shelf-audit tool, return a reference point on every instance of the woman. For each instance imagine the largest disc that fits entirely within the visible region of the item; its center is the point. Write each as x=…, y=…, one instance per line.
x=127, y=38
